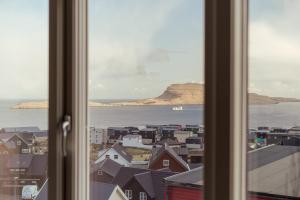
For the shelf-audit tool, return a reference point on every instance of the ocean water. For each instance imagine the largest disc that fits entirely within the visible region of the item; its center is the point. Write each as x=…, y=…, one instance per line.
x=279, y=115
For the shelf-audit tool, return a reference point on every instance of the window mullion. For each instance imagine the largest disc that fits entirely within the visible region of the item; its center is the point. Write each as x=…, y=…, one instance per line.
x=225, y=99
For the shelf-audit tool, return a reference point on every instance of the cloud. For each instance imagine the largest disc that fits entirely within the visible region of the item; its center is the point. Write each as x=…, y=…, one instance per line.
x=23, y=51
x=274, y=51
x=123, y=47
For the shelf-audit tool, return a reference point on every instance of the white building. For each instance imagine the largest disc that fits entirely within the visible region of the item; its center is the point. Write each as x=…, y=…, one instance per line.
x=182, y=135
x=134, y=141
x=116, y=153
x=98, y=136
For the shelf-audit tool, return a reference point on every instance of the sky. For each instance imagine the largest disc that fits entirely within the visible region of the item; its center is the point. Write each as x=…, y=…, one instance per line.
x=139, y=47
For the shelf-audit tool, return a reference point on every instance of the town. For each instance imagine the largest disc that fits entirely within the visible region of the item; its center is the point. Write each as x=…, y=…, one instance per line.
x=154, y=162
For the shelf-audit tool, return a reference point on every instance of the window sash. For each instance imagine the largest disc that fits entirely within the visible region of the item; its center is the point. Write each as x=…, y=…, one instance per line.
x=225, y=99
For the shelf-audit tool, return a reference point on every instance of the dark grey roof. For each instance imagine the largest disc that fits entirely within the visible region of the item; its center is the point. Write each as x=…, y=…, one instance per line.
x=19, y=161
x=43, y=193
x=26, y=137
x=168, y=141
x=269, y=154
x=153, y=182
x=157, y=152
x=125, y=174
x=193, y=177
x=41, y=134
x=101, y=191
x=36, y=165
x=6, y=136
x=108, y=166
x=20, y=129
x=118, y=148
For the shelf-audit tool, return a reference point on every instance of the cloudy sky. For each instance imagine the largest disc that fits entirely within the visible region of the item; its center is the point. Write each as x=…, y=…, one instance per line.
x=139, y=47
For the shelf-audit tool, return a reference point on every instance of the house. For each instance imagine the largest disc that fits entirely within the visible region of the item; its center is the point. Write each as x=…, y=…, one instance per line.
x=147, y=186
x=104, y=171
x=106, y=191
x=181, y=136
x=182, y=151
x=195, y=156
x=29, y=129
x=168, y=132
x=117, y=153
x=115, y=134
x=195, y=142
x=263, y=165
x=170, y=142
x=41, y=136
x=98, y=136
x=185, y=186
x=22, y=169
x=125, y=174
x=134, y=141
x=166, y=157
x=193, y=128
x=148, y=135
x=21, y=142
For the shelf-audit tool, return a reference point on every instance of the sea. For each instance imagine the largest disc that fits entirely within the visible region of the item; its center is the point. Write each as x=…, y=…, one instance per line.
x=283, y=115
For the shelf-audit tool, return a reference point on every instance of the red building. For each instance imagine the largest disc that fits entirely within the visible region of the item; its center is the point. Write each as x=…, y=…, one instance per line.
x=185, y=186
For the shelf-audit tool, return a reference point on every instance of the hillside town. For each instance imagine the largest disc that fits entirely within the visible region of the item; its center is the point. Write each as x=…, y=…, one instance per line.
x=155, y=162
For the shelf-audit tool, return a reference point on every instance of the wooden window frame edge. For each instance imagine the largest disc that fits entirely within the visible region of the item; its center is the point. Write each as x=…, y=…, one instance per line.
x=69, y=176
x=225, y=99
x=56, y=181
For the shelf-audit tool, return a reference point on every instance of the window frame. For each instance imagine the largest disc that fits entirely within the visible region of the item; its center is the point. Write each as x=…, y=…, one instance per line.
x=226, y=29
x=225, y=77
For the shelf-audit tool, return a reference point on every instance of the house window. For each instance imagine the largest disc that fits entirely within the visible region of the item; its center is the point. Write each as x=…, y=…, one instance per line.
x=166, y=163
x=100, y=172
x=128, y=194
x=19, y=142
x=107, y=156
x=116, y=156
x=143, y=196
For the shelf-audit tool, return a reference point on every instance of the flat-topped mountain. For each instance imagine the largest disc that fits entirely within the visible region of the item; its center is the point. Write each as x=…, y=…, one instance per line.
x=175, y=94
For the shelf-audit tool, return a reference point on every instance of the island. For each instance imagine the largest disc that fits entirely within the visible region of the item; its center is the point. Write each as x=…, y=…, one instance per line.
x=175, y=94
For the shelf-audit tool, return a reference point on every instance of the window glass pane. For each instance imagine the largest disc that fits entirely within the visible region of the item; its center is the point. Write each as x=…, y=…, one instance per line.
x=274, y=117
x=23, y=99
x=146, y=87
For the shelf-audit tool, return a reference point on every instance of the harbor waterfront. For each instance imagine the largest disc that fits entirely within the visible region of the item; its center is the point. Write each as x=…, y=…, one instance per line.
x=283, y=115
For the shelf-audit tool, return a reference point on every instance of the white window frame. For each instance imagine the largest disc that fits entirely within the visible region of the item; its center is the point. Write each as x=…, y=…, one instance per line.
x=143, y=196
x=166, y=163
x=116, y=157
x=128, y=194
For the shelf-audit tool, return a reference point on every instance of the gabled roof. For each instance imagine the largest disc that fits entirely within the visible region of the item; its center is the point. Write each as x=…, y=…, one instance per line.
x=193, y=177
x=26, y=137
x=120, y=149
x=108, y=166
x=20, y=129
x=153, y=182
x=125, y=174
x=104, y=191
x=157, y=152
